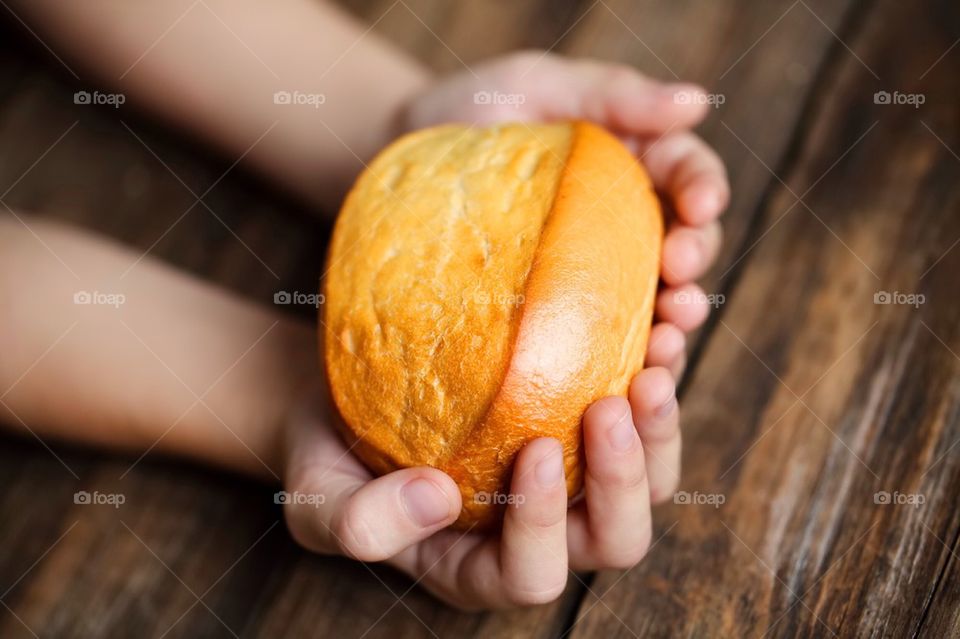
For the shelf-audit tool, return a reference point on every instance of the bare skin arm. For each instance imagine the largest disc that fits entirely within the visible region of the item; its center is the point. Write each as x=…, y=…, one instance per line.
x=184, y=368
x=156, y=359
x=161, y=362
x=213, y=67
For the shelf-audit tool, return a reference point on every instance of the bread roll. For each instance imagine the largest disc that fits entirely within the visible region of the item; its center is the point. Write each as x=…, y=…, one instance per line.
x=483, y=287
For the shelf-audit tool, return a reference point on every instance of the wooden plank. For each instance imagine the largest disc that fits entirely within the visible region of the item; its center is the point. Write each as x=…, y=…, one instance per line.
x=451, y=37
x=293, y=592
x=943, y=614
x=605, y=30
x=137, y=570
x=74, y=571
x=812, y=403
x=761, y=58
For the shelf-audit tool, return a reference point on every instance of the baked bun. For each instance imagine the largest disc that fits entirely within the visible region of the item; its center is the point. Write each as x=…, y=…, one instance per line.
x=483, y=287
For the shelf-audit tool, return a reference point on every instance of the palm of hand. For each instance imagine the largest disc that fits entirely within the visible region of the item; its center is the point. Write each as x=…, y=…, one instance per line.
x=632, y=445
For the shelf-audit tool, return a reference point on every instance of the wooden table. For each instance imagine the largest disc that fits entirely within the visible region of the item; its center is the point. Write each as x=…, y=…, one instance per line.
x=818, y=414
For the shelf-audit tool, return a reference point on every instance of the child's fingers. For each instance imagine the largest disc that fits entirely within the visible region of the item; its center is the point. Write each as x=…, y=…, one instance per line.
x=371, y=520
x=611, y=528
x=689, y=251
x=527, y=565
x=618, y=97
x=533, y=551
x=667, y=348
x=394, y=511
x=684, y=306
x=460, y=568
x=655, y=411
x=629, y=102
x=685, y=166
x=332, y=505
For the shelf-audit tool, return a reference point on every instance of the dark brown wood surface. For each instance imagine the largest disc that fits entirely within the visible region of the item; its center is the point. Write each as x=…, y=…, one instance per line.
x=805, y=403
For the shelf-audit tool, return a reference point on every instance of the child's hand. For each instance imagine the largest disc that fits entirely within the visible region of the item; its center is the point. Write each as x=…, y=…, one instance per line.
x=651, y=117
x=400, y=517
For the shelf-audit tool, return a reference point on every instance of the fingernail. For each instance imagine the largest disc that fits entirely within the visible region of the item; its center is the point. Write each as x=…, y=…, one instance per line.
x=549, y=470
x=622, y=434
x=424, y=502
x=666, y=408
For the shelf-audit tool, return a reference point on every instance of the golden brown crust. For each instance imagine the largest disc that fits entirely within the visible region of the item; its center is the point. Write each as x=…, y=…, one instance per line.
x=561, y=233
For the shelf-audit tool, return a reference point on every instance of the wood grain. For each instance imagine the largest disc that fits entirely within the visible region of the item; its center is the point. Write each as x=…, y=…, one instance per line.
x=632, y=32
x=799, y=546
x=837, y=402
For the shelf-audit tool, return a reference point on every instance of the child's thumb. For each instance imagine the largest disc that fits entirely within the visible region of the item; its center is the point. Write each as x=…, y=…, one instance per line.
x=375, y=520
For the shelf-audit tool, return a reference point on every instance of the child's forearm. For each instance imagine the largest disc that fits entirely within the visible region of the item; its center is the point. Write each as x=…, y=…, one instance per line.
x=213, y=67
x=155, y=360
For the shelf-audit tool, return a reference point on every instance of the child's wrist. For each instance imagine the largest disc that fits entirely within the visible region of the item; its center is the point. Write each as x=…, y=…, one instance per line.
x=396, y=120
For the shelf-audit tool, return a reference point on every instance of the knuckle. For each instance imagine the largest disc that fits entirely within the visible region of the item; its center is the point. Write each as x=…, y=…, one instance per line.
x=680, y=147
x=630, y=477
x=544, y=518
x=624, y=556
x=355, y=537
x=660, y=432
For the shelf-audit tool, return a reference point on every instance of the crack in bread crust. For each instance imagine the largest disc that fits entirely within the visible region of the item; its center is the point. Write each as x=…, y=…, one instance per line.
x=425, y=298
x=510, y=282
